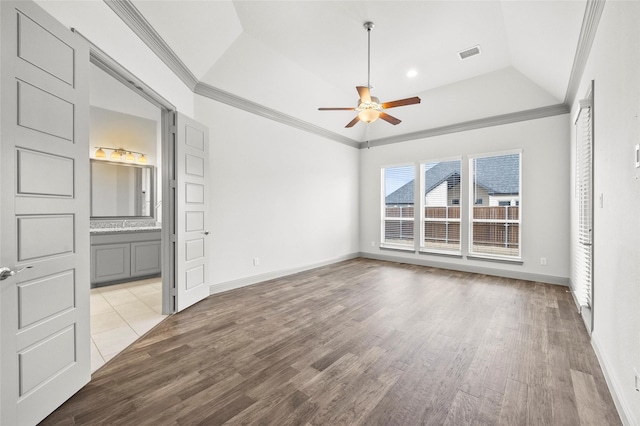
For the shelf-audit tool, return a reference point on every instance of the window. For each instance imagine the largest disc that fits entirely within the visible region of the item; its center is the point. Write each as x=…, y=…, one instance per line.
x=495, y=214
x=398, y=207
x=441, y=210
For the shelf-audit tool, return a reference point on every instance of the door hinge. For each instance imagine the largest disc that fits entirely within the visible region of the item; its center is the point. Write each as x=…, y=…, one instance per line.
x=173, y=238
x=172, y=183
x=172, y=129
x=172, y=291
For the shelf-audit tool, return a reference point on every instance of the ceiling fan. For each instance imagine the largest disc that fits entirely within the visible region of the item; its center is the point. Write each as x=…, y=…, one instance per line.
x=369, y=107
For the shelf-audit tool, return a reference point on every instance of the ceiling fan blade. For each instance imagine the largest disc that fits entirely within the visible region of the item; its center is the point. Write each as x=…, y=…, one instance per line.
x=336, y=109
x=389, y=119
x=363, y=91
x=353, y=122
x=401, y=102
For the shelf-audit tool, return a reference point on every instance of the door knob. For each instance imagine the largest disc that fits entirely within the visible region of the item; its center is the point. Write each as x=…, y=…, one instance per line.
x=7, y=272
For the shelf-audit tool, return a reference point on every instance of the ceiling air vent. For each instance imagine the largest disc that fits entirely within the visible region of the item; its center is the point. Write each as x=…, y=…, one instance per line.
x=467, y=53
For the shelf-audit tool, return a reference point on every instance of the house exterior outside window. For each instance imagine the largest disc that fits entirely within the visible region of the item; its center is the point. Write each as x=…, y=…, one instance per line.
x=440, y=211
x=398, y=207
x=496, y=211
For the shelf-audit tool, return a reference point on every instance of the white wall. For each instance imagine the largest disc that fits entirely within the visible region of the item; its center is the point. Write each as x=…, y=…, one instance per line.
x=285, y=196
x=614, y=65
x=117, y=130
x=437, y=197
x=545, y=193
x=98, y=23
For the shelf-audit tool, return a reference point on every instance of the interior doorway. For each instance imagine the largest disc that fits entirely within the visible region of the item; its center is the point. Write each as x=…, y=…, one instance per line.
x=127, y=179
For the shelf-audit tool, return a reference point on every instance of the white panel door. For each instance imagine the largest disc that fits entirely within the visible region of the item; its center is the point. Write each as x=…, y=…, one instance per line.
x=192, y=206
x=44, y=221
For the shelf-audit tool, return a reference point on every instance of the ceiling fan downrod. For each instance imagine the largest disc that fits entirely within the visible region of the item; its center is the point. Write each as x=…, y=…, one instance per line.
x=368, y=26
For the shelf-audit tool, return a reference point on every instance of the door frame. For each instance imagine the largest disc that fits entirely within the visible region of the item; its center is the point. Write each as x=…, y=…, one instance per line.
x=168, y=120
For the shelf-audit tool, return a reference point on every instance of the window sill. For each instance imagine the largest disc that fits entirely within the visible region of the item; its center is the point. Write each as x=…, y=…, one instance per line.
x=456, y=255
x=511, y=260
x=396, y=248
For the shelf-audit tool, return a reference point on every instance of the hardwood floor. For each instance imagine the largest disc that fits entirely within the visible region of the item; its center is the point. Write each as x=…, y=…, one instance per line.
x=361, y=342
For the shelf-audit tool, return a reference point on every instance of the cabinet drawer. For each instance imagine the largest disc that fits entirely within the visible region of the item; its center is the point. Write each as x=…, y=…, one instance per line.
x=110, y=262
x=145, y=258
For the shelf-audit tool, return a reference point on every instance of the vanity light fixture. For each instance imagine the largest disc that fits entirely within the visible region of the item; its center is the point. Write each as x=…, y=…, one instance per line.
x=119, y=153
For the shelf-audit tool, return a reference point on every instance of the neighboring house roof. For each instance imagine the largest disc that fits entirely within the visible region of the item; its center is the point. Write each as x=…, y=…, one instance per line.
x=498, y=175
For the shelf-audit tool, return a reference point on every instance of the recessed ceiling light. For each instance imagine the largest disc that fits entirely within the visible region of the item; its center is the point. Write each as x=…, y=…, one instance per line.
x=412, y=73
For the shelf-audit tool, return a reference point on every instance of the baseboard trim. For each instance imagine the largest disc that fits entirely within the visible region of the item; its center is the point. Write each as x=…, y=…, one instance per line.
x=549, y=279
x=624, y=411
x=255, y=279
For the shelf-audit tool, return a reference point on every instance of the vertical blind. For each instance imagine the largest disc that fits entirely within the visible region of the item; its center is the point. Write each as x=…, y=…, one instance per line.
x=584, y=173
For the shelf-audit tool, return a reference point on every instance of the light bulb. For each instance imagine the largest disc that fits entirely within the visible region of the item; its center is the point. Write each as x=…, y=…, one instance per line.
x=115, y=155
x=129, y=157
x=142, y=159
x=369, y=115
x=100, y=153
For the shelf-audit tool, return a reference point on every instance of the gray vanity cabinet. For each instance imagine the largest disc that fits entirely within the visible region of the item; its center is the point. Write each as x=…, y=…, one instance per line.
x=145, y=258
x=122, y=256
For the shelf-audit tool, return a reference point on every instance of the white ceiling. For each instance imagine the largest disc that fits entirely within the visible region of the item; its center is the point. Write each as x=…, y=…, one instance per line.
x=296, y=56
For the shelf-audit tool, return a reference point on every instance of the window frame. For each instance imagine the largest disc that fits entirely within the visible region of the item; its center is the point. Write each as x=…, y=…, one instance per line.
x=423, y=206
x=472, y=198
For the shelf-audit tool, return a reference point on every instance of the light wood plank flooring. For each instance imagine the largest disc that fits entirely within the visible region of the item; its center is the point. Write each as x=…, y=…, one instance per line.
x=361, y=342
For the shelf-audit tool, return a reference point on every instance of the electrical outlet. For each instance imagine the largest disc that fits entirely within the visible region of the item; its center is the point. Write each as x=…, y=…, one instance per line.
x=543, y=260
x=256, y=261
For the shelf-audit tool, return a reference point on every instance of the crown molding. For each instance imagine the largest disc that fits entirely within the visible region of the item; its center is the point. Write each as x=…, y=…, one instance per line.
x=143, y=29
x=112, y=67
x=592, y=14
x=227, y=98
x=497, y=120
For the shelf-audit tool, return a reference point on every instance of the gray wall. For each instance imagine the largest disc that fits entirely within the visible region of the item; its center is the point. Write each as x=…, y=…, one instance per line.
x=614, y=65
x=545, y=193
x=282, y=195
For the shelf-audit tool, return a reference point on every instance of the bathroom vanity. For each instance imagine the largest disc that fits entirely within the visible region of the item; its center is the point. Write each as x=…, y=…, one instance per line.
x=124, y=254
x=125, y=237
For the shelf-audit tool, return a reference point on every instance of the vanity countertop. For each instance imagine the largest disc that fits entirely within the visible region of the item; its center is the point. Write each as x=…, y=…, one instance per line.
x=120, y=230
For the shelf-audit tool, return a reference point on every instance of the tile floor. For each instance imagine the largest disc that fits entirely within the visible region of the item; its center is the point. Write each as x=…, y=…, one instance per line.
x=120, y=314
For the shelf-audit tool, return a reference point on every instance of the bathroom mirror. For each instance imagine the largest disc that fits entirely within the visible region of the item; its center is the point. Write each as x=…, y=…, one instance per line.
x=121, y=190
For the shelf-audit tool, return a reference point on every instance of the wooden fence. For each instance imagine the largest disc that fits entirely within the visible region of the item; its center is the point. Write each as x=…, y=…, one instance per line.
x=495, y=226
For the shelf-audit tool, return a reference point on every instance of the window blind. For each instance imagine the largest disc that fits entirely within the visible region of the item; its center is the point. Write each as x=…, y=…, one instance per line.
x=496, y=211
x=441, y=206
x=584, y=184
x=398, y=206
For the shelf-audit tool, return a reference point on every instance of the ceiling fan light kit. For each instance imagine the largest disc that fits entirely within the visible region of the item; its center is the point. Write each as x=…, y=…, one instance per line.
x=369, y=107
